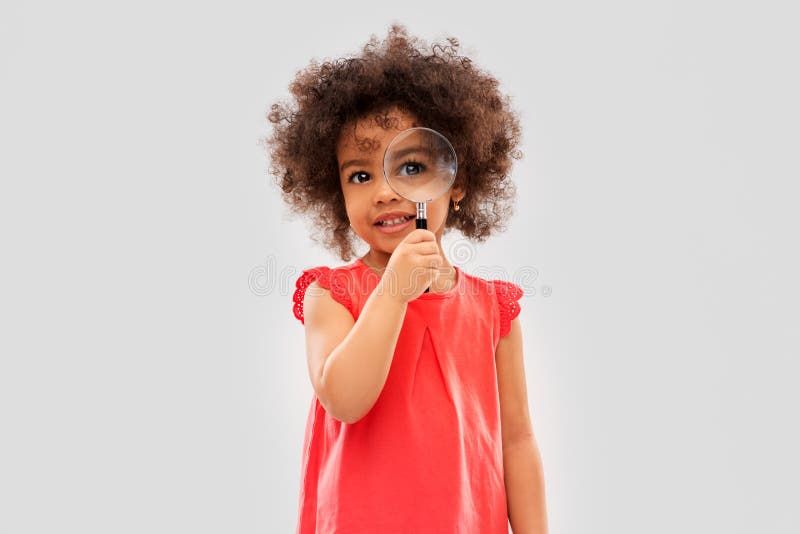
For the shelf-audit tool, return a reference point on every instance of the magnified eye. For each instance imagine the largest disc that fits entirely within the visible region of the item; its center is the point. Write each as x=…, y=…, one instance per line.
x=411, y=168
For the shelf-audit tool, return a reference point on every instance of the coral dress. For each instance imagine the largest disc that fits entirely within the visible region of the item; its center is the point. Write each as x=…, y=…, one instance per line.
x=428, y=456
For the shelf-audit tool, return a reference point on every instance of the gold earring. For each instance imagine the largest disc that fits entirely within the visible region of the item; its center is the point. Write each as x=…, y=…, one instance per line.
x=455, y=205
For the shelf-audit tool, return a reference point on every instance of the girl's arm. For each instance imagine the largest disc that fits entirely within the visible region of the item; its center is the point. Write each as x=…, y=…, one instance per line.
x=348, y=361
x=522, y=464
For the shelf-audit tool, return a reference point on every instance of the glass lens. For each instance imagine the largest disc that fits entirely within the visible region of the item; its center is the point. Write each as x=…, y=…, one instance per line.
x=420, y=164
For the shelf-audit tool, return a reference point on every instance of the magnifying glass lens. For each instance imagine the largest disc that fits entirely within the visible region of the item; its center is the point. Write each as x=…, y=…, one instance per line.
x=420, y=164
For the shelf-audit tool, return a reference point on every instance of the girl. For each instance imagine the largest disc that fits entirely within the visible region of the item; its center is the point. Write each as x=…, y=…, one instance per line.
x=419, y=420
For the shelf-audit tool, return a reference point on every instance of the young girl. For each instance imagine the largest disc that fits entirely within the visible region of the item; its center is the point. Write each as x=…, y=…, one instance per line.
x=419, y=422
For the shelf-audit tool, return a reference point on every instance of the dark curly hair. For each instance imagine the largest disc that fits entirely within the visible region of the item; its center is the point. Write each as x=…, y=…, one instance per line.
x=441, y=88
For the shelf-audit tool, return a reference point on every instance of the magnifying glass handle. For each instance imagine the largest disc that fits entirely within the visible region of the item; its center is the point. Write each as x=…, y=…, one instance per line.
x=422, y=222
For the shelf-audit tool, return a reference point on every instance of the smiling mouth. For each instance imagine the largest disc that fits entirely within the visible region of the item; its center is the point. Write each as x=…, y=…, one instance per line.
x=395, y=222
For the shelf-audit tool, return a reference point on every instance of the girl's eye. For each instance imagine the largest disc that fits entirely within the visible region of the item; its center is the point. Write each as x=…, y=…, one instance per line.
x=357, y=173
x=411, y=168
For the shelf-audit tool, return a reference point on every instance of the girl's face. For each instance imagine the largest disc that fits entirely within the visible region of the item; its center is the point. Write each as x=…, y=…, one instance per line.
x=367, y=195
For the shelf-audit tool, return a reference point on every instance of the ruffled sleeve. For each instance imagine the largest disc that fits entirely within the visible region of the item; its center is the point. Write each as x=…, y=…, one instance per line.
x=330, y=279
x=508, y=295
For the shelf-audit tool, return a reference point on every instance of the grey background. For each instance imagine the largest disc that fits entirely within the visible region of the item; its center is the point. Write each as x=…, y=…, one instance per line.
x=153, y=378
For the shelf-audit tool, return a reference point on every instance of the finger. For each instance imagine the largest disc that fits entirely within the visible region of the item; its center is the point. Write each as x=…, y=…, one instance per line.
x=426, y=248
x=420, y=235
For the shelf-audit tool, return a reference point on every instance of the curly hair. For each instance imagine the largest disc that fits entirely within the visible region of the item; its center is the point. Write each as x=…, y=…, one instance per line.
x=443, y=89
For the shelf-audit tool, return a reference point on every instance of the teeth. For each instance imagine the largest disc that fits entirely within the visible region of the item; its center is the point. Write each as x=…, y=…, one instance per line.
x=394, y=221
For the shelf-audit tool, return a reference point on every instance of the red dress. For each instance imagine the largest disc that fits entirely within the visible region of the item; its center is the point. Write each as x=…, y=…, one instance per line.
x=428, y=456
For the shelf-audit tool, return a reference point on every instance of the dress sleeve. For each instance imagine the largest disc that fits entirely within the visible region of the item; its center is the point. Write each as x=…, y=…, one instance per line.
x=508, y=295
x=327, y=279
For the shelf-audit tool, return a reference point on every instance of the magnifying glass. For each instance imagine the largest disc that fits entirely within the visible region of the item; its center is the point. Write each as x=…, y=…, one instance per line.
x=420, y=165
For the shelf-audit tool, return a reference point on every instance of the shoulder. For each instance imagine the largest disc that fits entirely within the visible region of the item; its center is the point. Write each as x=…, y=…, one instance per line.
x=336, y=284
x=495, y=287
x=502, y=295
x=473, y=284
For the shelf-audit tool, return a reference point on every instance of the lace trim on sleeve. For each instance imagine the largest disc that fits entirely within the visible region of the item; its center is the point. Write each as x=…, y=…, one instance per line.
x=508, y=295
x=328, y=280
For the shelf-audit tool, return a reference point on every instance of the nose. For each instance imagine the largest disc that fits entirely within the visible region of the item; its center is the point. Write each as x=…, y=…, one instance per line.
x=384, y=193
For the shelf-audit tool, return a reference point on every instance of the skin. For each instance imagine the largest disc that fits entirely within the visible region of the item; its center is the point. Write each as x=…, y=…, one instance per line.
x=367, y=194
x=522, y=461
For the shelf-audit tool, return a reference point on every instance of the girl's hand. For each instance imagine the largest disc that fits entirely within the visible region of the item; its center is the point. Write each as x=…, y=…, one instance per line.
x=413, y=266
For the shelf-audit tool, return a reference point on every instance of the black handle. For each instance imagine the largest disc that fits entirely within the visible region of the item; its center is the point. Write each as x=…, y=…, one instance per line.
x=423, y=223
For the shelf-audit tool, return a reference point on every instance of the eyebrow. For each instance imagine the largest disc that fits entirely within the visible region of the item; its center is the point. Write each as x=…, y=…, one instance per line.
x=399, y=154
x=410, y=150
x=353, y=162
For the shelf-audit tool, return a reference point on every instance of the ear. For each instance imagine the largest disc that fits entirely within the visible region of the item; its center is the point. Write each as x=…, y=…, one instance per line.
x=457, y=193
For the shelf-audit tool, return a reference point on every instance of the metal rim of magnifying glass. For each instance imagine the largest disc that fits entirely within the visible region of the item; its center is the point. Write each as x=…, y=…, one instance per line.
x=453, y=150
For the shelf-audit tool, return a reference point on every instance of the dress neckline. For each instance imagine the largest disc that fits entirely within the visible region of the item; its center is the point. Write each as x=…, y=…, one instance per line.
x=424, y=296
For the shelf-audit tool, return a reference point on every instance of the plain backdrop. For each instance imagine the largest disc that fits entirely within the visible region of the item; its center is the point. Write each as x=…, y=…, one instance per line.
x=153, y=378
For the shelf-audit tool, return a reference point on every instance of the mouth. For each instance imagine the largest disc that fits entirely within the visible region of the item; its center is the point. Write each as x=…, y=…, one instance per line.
x=394, y=225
